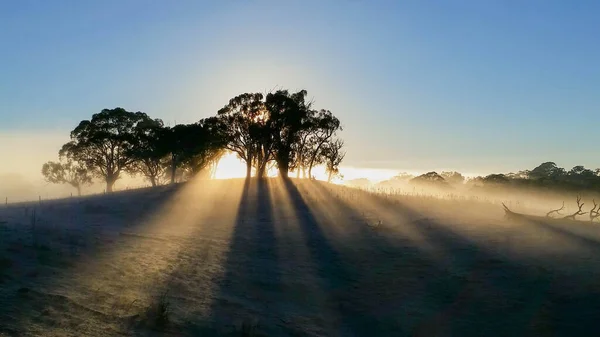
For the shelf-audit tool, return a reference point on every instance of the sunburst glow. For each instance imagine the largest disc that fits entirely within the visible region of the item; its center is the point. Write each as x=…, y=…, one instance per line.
x=230, y=166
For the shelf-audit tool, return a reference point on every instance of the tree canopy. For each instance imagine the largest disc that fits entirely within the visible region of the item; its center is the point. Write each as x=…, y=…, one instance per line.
x=67, y=172
x=279, y=128
x=104, y=143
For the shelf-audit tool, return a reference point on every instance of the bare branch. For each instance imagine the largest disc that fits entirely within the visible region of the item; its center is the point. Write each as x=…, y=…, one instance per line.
x=595, y=212
x=557, y=211
x=579, y=211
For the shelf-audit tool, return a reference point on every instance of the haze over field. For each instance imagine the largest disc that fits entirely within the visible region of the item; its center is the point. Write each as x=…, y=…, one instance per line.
x=288, y=258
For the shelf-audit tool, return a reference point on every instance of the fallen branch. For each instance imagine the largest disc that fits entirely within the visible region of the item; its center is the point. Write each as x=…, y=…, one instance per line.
x=579, y=211
x=557, y=211
x=595, y=212
x=508, y=214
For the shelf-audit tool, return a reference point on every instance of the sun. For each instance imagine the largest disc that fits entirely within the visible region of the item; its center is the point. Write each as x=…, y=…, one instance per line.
x=230, y=166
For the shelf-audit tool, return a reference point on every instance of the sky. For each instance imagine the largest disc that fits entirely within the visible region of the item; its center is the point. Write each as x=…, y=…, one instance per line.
x=474, y=86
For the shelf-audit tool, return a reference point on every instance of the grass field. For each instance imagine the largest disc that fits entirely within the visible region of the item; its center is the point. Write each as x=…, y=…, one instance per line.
x=297, y=258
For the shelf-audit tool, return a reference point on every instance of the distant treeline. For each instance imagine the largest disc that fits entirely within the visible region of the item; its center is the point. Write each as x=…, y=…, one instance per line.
x=547, y=175
x=279, y=129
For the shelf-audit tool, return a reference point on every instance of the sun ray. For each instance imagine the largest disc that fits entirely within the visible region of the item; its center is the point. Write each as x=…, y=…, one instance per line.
x=156, y=254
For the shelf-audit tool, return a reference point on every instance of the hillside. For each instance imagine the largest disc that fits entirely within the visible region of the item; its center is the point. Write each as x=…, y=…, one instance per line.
x=290, y=259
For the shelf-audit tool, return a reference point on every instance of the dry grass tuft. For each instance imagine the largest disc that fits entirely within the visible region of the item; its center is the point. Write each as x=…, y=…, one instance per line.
x=159, y=314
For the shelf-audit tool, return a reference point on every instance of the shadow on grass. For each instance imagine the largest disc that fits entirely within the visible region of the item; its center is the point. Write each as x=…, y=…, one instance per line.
x=348, y=267
x=468, y=289
x=248, y=290
x=31, y=300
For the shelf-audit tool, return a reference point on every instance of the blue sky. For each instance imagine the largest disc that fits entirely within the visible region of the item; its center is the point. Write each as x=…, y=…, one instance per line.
x=475, y=86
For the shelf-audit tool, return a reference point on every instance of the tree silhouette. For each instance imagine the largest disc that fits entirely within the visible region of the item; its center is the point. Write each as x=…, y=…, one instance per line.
x=581, y=177
x=193, y=147
x=277, y=129
x=149, y=151
x=205, y=146
x=318, y=128
x=496, y=179
x=244, y=120
x=547, y=172
x=430, y=179
x=67, y=172
x=288, y=116
x=453, y=177
x=103, y=144
x=333, y=155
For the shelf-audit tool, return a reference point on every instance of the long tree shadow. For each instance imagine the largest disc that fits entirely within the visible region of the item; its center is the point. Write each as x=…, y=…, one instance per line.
x=482, y=292
x=471, y=289
x=561, y=231
x=248, y=290
x=343, y=269
x=390, y=269
x=572, y=304
x=432, y=294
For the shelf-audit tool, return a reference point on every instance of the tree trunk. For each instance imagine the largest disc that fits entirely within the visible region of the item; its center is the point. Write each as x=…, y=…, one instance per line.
x=248, y=169
x=261, y=170
x=110, y=182
x=314, y=157
x=283, y=162
x=153, y=181
x=173, y=168
x=329, y=176
x=78, y=190
x=283, y=169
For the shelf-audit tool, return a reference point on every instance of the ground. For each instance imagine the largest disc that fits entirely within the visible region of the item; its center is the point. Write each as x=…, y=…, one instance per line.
x=293, y=258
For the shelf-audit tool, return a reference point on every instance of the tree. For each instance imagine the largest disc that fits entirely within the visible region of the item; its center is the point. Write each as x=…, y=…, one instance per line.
x=287, y=116
x=318, y=129
x=194, y=147
x=496, y=179
x=149, y=151
x=547, y=172
x=333, y=156
x=103, y=144
x=205, y=147
x=453, y=177
x=581, y=177
x=430, y=179
x=244, y=118
x=278, y=127
x=520, y=175
x=67, y=172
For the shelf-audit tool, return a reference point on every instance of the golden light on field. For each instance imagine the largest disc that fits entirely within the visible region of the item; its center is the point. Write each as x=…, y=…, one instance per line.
x=230, y=166
x=186, y=214
x=374, y=175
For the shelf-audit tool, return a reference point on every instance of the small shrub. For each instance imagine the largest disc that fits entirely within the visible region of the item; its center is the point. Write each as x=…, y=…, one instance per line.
x=160, y=312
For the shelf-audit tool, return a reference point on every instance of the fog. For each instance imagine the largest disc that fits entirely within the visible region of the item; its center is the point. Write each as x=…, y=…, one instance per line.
x=298, y=257
x=530, y=200
x=20, y=172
